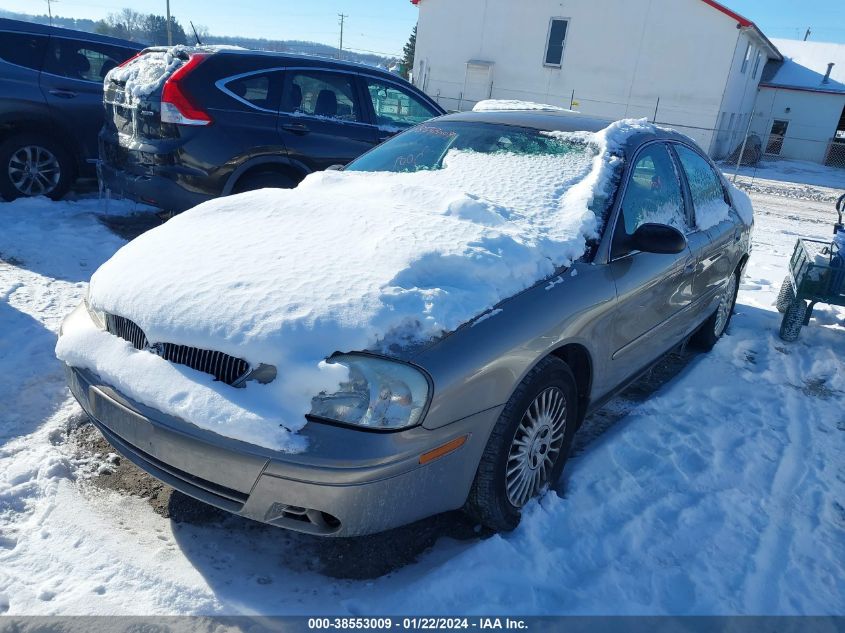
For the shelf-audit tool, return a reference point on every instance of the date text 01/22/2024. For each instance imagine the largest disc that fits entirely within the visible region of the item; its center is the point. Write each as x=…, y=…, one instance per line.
x=419, y=623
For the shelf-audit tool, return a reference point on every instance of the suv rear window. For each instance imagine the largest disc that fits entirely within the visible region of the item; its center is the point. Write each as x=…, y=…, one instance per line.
x=23, y=49
x=87, y=61
x=260, y=90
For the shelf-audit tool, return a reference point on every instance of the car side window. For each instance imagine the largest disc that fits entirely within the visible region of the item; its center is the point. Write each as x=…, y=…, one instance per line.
x=708, y=194
x=260, y=90
x=23, y=49
x=322, y=94
x=654, y=192
x=395, y=107
x=86, y=61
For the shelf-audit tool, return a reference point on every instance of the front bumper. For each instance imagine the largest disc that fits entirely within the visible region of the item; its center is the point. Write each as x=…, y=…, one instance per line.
x=347, y=482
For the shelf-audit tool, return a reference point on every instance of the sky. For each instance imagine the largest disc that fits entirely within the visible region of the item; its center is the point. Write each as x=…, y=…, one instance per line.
x=383, y=26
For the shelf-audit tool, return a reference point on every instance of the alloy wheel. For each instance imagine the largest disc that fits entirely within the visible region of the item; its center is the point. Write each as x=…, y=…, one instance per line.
x=34, y=170
x=536, y=446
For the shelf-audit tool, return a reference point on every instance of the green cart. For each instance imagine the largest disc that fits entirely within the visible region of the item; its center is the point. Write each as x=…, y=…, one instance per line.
x=816, y=275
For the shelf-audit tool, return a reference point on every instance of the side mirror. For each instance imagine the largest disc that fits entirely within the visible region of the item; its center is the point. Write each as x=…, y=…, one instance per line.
x=335, y=167
x=659, y=238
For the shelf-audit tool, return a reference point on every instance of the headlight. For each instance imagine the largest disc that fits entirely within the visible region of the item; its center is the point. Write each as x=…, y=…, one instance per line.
x=97, y=316
x=378, y=393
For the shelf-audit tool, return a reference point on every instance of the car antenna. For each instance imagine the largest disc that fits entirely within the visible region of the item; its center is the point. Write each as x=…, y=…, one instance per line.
x=195, y=33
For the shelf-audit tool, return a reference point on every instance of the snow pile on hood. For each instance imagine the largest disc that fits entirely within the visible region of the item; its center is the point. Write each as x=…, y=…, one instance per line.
x=346, y=261
x=495, y=105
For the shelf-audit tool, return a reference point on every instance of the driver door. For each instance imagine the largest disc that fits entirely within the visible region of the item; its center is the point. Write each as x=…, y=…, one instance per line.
x=652, y=289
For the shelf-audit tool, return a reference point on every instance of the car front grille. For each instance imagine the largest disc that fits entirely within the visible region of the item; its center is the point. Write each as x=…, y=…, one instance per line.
x=223, y=367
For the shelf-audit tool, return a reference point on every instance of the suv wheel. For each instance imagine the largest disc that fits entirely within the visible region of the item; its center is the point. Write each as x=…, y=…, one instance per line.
x=528, y=446
x=713, y=328
x=34, y=165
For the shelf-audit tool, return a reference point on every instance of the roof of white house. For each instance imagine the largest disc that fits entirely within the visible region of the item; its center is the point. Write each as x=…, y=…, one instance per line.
x=805, y=65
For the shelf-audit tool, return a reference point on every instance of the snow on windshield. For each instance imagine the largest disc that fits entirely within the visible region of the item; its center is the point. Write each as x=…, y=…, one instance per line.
x=346, y=261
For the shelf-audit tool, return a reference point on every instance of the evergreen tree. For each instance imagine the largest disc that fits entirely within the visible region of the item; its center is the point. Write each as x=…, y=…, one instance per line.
x=408, y=54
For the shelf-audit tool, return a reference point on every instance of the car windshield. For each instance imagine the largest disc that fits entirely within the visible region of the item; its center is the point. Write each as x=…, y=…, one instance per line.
x=425, y=146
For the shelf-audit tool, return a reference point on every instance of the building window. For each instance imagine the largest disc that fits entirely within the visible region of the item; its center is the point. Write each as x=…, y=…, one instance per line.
x=756, y=65
x=556, y=41
x=747, y=59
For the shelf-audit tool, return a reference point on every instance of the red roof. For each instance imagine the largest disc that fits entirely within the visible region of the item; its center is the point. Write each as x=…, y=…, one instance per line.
x=743, y=21
x=719, y=7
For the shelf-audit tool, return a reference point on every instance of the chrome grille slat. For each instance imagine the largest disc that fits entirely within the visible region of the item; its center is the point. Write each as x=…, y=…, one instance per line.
x=223, y=367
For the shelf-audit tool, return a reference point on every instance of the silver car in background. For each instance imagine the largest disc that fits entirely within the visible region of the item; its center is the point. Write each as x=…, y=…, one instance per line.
x=506, y=394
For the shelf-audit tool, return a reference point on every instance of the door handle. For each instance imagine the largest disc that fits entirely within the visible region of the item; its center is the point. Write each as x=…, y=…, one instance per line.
x=296, y=128
x=64, y=94
x=737, y=236
x=689, y=266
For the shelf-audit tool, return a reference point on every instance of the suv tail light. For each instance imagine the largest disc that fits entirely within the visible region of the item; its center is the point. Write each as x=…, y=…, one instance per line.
x=177, y=106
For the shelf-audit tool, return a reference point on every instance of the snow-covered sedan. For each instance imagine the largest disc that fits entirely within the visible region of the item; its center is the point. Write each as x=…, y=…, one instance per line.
x=422, y=331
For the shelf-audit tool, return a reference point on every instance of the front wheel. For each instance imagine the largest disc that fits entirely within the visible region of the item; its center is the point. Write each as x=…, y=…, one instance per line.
x=713, y=328
x=528, y=446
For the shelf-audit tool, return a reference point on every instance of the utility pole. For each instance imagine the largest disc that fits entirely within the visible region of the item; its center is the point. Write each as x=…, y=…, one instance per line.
x=340, y=48
x=169, y=30
x=50, y=10
x=807, y=34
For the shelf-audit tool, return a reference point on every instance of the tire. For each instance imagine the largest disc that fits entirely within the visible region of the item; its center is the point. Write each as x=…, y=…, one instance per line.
x=793, y=320
x=786, y=295
x=20, y=153
x=550, y=383
x=717, y=324
x=263, y=180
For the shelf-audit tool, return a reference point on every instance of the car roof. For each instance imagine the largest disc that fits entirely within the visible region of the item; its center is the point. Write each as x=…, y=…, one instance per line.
x=563, y=121
x=326, y=62
x=23, y=26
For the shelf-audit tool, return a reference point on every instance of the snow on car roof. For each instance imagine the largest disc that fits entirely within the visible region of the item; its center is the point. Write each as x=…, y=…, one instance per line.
x=493, y=105
x=346, y=261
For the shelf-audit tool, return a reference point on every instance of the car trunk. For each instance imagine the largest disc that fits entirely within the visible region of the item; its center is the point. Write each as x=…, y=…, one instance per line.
x=134, y=137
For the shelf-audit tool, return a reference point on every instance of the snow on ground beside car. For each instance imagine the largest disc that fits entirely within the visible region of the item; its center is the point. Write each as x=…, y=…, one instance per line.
x=273, y=277
x=803, y=174
x=722, y=493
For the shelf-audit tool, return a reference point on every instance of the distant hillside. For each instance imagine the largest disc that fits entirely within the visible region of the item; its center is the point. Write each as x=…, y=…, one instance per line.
x=287, y=46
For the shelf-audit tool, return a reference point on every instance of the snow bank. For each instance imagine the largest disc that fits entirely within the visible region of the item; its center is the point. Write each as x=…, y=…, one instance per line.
x=494, y=105
x=346, y=261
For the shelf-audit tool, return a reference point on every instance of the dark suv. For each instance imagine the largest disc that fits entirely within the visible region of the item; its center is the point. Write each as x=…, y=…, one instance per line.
x=51, y=93
x=219, y=120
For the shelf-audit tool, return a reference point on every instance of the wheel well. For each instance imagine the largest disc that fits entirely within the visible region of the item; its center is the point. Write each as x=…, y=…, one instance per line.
x=10, y=128
x=579, y=361
x=742, y=262
x=269, y=168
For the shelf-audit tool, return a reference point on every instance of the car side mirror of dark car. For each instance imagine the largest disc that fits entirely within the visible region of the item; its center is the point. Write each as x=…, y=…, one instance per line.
x=335, y=167
x=659, y=238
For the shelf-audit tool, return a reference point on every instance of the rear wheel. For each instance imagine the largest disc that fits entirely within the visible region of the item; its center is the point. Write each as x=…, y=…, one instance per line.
x=713, y=328
x=528, y=446
x=263, y=180
x=786, y=295
x=34, y=165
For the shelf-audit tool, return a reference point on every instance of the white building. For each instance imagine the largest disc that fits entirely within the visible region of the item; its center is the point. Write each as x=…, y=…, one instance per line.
x=691, y=64
x=800, y=111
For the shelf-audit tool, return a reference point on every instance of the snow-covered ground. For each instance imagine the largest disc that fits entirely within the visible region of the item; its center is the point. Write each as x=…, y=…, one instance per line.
x=721, y=492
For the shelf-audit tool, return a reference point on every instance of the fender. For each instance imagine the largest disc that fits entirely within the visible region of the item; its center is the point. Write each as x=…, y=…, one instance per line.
x=257, y=161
